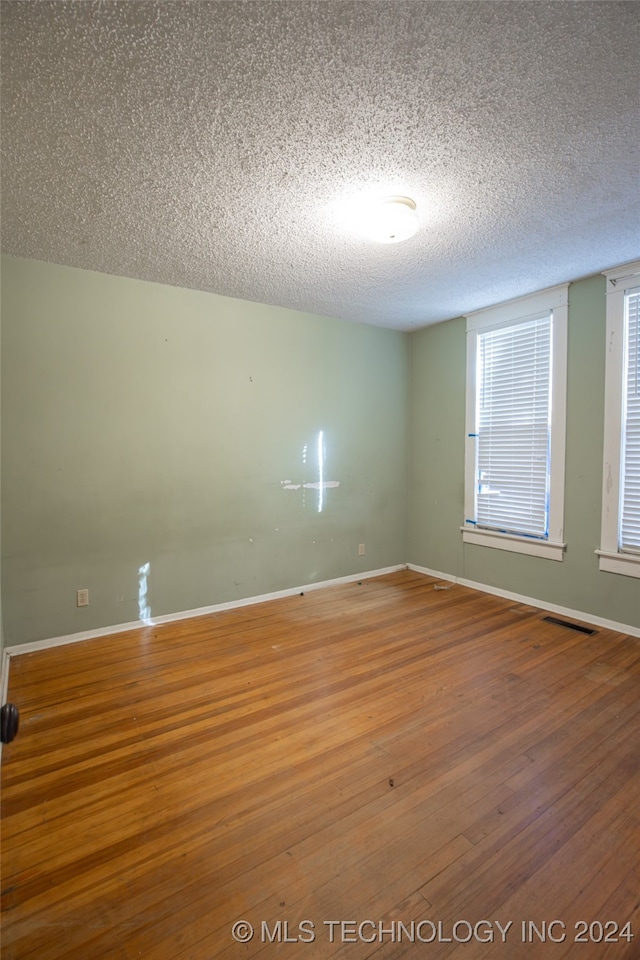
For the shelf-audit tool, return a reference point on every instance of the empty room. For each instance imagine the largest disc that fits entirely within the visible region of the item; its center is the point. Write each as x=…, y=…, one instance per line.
x=320, y=478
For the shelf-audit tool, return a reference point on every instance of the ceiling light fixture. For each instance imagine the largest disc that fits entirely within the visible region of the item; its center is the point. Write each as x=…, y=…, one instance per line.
x=392, y=220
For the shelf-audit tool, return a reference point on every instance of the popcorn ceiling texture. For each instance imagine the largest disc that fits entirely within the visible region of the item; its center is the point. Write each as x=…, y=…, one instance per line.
x=207, y=145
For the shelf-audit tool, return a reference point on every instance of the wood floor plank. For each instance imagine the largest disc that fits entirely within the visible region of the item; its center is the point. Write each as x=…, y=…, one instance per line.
x=378, y=746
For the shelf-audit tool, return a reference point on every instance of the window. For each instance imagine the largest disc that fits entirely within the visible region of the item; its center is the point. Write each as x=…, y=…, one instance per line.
x=516, y=403
x=620, y=541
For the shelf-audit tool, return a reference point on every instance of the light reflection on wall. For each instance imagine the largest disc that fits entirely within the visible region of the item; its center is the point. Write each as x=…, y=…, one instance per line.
x=143, y=603
x=320, y=470
x=304, y=463
x=320, y=484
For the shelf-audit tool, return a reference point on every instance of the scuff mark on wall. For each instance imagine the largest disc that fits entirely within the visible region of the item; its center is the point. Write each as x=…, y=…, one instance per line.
x=314, y=485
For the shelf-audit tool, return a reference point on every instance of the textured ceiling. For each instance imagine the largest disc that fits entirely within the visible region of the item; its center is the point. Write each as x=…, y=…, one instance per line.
x=212, y=145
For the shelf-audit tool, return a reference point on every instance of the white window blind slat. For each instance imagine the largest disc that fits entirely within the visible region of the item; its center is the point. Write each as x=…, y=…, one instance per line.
x=629, y=539
x=513, y=428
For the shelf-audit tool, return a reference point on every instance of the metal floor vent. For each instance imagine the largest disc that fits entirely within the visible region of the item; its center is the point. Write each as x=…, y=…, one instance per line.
x=572, y=626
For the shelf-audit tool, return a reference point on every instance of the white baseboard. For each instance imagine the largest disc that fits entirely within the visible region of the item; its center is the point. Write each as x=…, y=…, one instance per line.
x=20, y=648
x=532, y=602
x=432, y=573
x=4, y=684
x=4, y=676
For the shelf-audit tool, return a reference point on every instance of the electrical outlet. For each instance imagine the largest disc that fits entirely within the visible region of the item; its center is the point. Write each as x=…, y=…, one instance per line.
x=82, y=597
x=361, y=549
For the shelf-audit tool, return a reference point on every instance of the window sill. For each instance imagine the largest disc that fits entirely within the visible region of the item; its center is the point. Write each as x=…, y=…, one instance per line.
x=547, y=549
x=626, y=564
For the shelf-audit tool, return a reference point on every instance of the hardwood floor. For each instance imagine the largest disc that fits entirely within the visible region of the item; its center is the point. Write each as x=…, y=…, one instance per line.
x=384, y=754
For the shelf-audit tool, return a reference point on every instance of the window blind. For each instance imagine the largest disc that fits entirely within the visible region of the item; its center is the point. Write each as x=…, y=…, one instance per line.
x=630, y=472
x=513, y=428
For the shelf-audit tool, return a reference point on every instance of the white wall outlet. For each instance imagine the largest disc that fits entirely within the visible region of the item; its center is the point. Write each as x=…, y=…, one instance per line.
x=82, y=597
x=361, y=549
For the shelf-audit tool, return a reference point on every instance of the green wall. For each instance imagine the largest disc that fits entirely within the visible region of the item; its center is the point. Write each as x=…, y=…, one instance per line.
x=150, y=424
x=436, y=488
x=2, y=679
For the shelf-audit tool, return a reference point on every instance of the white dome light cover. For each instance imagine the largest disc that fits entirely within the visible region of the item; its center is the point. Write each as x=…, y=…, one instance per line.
x=392, y=220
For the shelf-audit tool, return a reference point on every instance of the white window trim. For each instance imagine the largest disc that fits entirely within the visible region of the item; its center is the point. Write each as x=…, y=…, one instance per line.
x=611, y=560
x=554, y=299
